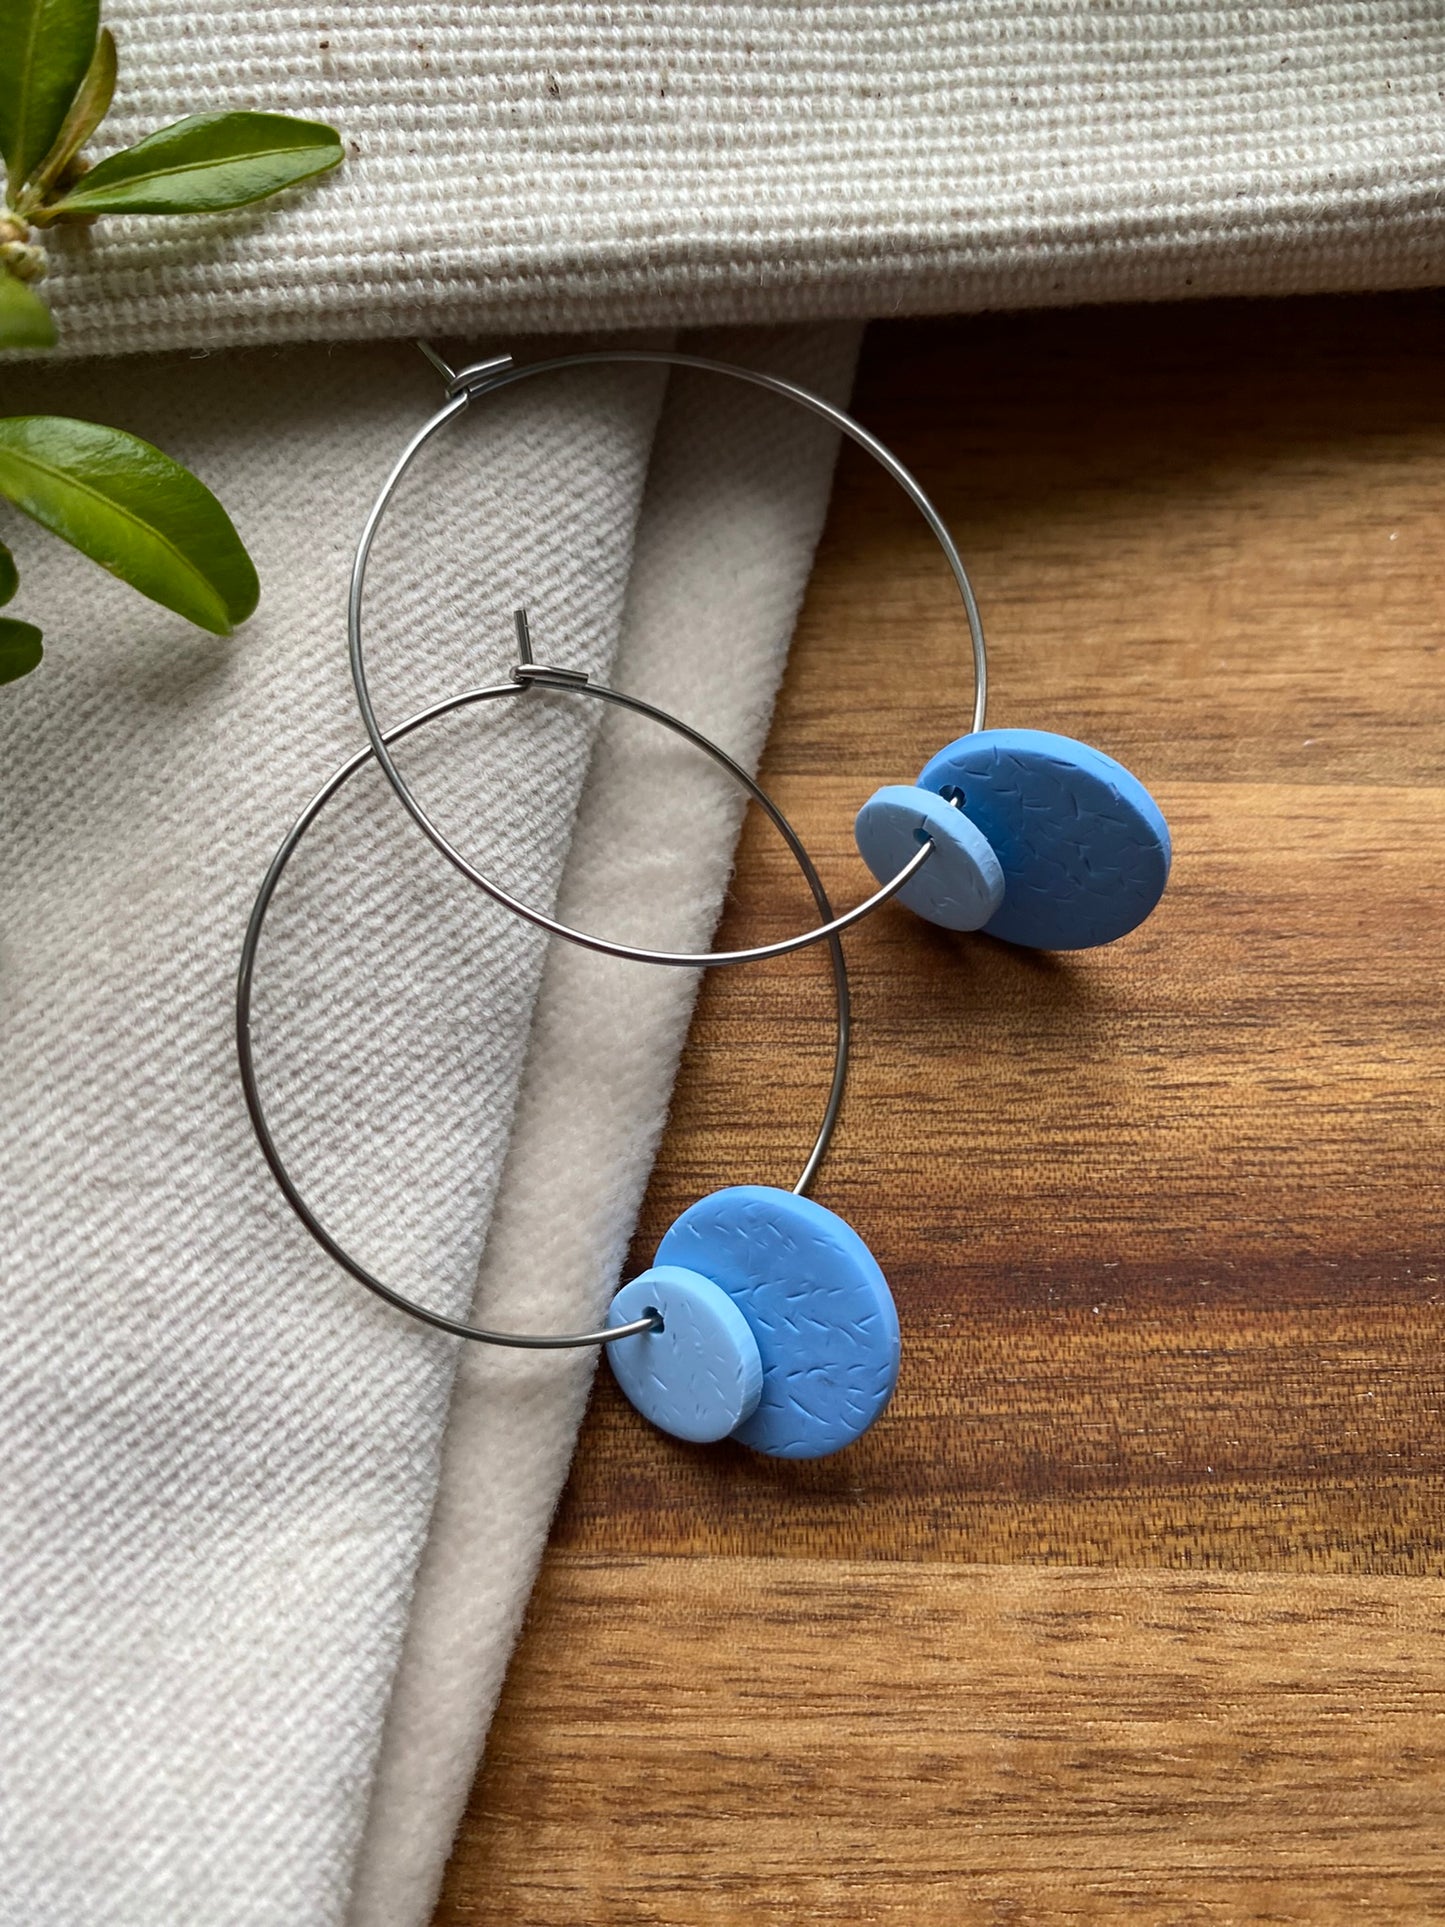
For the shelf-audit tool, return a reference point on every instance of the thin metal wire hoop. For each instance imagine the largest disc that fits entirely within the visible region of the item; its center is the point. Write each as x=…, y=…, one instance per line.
x=488, y=377
x=245, y=978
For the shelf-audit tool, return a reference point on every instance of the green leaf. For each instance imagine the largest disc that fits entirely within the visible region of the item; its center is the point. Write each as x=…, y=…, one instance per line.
x=45, y=49
x=9, y=575
x=25, y=320
x=87, y=111
x=20, y=649
x=203, y=165
x=134, y=511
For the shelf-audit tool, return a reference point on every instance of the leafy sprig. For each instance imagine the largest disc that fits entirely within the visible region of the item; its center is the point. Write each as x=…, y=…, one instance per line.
x=112, y=496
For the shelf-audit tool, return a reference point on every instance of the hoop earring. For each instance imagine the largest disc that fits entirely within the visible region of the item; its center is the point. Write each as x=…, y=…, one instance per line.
x=764, y=1317
x=1040, y=840
x=706, y=1343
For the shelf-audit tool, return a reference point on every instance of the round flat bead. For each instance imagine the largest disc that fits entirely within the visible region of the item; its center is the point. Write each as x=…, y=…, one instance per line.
x=817, y=1304
x=961, y=885
x=700, y=1376
x=1083, y=846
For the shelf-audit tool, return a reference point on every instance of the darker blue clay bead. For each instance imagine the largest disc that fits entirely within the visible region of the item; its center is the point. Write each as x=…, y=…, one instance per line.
x=817, y=1304
x=1083, y=846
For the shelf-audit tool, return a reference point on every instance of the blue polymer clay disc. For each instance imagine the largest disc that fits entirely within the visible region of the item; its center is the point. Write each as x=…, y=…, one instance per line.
x=960, y=886
x=817, y=1304
x=1083, y=846
x=701, y=1375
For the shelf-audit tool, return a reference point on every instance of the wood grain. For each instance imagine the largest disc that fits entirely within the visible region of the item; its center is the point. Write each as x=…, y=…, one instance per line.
x=786, y=1741
x=1164, y=1221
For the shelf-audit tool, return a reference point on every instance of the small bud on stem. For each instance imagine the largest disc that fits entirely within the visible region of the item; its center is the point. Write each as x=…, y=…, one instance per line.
x=26, y=263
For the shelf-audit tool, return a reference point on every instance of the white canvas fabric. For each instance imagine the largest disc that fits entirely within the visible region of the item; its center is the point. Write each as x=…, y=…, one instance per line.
x=523, y=167
x=220, y=1454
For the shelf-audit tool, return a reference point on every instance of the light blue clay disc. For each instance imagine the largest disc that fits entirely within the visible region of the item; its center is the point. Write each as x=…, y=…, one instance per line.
x=700, y=1376
x=817, y=1304
x=961, y=885
x=1083, y=846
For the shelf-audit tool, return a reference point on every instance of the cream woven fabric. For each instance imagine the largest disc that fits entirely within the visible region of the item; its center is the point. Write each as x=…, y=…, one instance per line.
x=555, y=166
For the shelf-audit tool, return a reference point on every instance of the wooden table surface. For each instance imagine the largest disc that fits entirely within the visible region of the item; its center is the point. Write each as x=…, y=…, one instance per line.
x=1130, y=1607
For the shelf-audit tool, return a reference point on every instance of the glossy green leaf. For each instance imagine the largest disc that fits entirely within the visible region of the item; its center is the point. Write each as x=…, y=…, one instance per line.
x=134, y=511
x=9, y=575
x=25, y=321
x=205, y=164
x=45, y=49
x=87, y=111
x=20, y=649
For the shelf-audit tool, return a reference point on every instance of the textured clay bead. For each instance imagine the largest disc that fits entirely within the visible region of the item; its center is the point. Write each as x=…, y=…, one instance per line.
x=961, y=885
x=700, y=1376
x=815, y=1301
x=1083, y=846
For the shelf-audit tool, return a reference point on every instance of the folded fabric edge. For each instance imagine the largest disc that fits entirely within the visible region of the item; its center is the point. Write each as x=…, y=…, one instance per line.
x=1345, y=251
x=603, y=1054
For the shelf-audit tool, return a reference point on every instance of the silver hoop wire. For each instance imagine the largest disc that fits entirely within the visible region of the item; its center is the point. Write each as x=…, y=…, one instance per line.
x=246, y=975
x=489, y=377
